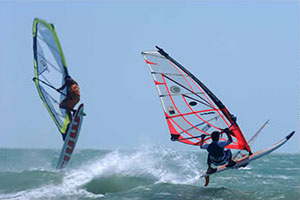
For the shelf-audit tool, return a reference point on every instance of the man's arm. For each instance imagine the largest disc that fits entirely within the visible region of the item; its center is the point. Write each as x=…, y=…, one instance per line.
x=68, y=81
x=229, y=137
x=62, y=87
x=228, y=133
x=224, y=144
x=202, y=141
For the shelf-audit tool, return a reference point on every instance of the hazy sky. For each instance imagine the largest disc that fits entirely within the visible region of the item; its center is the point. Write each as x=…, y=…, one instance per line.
x=246, y=52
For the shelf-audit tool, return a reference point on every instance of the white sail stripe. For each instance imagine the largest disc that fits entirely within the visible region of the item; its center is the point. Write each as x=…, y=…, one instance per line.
x=154, y=78
x=153, y=53
x=171, y=74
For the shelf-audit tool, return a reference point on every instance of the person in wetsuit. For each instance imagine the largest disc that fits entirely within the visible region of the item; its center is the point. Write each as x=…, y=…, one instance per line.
x=73, y=96
x=216, y=153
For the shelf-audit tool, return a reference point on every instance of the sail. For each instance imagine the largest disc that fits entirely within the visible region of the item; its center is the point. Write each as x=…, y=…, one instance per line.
x=49, y=70
x=190, y=108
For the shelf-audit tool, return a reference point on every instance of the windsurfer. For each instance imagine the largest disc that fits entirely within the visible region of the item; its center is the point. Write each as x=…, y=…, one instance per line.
x=73, y=95
x=216, y=153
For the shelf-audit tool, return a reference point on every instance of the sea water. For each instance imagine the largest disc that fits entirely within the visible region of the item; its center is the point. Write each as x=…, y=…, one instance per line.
x=151, y=172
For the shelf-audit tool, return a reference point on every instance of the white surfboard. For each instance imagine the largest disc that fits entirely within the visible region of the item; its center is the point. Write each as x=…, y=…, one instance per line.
x=247, y=159
x=71, y=138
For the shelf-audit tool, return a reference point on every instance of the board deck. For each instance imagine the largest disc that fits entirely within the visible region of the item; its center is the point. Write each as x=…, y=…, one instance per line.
x=247, y=159
x=71, y=138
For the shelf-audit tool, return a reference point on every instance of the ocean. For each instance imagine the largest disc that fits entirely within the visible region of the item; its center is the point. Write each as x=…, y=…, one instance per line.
x=150, y=172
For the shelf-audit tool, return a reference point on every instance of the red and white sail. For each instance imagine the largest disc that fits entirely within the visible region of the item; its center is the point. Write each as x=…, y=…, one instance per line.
x=190, y=108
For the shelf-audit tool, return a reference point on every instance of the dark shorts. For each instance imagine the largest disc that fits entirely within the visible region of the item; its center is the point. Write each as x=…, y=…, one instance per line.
x=69, y=102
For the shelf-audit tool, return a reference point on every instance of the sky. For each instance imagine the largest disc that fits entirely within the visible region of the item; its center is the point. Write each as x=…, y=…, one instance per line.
x=245, y=52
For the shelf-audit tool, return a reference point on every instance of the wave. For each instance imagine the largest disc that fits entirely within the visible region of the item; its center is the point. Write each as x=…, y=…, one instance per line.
x=151, y=171
x=107, y=172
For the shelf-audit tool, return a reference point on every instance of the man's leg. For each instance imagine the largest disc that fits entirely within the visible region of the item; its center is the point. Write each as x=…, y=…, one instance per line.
x=231, y=163
x=65, y=104
x=68, y=112
x=210, y=169
x=208, y=161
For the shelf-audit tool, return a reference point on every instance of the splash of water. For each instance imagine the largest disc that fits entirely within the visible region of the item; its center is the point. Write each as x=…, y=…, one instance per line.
x=158, y=163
